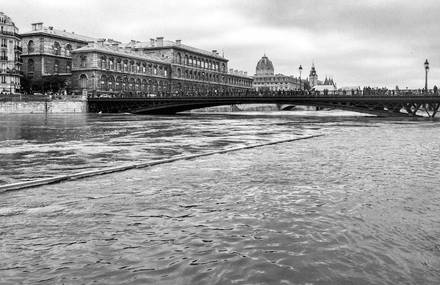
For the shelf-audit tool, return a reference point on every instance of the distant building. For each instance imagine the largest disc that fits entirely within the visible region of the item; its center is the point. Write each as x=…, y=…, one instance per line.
x=47, y=57
x=266, y=79
x=10, y=51
x=313, y=79
x=193, y=69
x=107, y=68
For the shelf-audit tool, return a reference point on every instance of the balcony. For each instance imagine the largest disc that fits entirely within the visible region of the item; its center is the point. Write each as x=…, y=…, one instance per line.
x=7, y=33
x=3, y=58
x=17, y=48
x=4, y=46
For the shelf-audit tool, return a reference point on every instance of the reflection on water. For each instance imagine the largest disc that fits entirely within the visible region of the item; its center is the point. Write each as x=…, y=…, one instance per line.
x=358, y=206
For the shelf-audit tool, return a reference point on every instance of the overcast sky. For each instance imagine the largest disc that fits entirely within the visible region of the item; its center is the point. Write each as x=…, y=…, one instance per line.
x=368, y=42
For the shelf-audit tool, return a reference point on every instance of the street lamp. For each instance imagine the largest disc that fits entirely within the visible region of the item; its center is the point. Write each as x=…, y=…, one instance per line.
x=426, y=75
x=300, y=70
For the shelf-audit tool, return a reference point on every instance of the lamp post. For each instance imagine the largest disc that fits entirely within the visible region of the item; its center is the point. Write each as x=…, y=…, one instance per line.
x=300, y=70
x=426, y=75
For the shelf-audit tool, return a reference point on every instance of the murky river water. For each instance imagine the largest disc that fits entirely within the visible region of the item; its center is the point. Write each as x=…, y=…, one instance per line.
x=359, y=205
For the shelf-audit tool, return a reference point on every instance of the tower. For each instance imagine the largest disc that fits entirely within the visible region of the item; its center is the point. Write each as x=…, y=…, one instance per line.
x=313, y=76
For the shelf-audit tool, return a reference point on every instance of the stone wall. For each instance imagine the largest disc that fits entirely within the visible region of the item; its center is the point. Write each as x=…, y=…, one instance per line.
x=43, y=107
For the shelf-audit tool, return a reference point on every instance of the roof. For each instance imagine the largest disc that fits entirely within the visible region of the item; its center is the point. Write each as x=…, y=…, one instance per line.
x=8, y=20
x=171, y=44
x=98, y=47
x=59, y=33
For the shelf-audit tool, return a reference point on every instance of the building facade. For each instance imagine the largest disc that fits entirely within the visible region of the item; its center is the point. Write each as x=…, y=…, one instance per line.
x=313, y=79
x=266, y=79
x=10, y=60
x=108, y=68
x=47, y=57
x=194, y=70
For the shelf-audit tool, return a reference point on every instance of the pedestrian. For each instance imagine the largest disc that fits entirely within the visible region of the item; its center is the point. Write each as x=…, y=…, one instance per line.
x=435, y=89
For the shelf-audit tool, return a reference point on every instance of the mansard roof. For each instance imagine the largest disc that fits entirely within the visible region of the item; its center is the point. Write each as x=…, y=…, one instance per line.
x=163, y=44
x=118, y=51
x=51, y=32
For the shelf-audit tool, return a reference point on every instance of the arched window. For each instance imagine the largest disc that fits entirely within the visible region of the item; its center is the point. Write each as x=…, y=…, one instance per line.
x=118, y=83
x=31, y=46
x=68, y=50
x=186, y=60
x=83, y=81
x=31, y=66
x=56, y=66
x=103, y=82
x=68, y=67
x=179, y=58
x=155, y=70
x=179, y=73
x=57, y=48
x=110, y=83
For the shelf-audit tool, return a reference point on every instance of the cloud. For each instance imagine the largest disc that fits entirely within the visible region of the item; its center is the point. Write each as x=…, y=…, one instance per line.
x=374, y=42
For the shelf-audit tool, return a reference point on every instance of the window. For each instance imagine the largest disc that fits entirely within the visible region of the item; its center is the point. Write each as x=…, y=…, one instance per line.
x=56, y=67
x=83, y=61
x=4, y=43
x=3, y=79
x=31, y=66
x=56, y=48
x=83, y=81
x=69, y=67
x=68, y=50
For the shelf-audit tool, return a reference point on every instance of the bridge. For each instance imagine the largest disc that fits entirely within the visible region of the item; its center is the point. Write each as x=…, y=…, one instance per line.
x=380, y=102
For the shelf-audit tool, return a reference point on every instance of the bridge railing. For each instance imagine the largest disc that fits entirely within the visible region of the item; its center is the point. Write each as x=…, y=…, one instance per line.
x=366, y=92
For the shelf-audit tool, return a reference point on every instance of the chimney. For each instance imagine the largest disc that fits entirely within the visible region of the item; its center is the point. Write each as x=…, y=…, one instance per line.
x=214, y=51
x=231, y=71
x=51, y=28
x=178, y=42
x=37, y=26
x=159, y=41
x=245, y=73
x=152, y=42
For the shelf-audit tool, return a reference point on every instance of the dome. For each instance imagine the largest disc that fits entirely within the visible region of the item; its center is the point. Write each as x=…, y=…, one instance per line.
x=5, y=19
x=264, y=66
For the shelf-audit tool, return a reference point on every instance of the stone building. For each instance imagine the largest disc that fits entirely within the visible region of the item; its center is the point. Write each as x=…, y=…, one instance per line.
x=266, y=79
x=313, y=79
x=192, y=69
x=47, y=57
x=108, y=68
x=10, y=51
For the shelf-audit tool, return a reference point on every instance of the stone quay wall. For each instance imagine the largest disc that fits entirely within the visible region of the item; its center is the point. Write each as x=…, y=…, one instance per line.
x=43, y=107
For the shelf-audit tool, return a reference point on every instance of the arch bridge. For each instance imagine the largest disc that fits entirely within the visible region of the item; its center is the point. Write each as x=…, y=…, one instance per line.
x=395, y=103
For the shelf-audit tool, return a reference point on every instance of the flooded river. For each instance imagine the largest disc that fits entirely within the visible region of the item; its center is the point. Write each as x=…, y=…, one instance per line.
x=358, y=205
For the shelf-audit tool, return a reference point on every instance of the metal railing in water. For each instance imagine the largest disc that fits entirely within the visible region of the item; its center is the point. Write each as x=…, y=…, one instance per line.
x=293, y=93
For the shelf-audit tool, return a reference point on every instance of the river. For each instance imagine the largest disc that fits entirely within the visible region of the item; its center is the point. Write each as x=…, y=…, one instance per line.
x=358, y=205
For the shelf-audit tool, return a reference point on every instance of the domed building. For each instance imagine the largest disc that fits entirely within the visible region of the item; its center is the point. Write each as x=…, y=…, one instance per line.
x=266, y=79
x=10, y=52
x=264, y=66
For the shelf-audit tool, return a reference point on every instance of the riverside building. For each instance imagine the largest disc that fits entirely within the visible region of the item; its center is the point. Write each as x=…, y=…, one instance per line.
x=155, y=68
x=266, y=79
x=47, y=57
x=10, y=60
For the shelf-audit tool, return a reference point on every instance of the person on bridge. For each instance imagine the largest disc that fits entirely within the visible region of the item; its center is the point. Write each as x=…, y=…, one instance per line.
x=435, y=89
